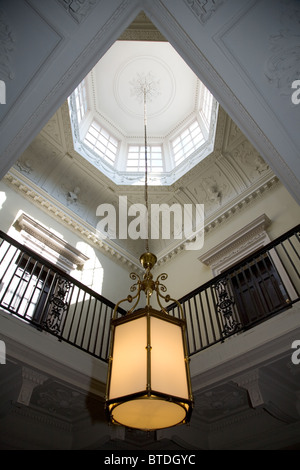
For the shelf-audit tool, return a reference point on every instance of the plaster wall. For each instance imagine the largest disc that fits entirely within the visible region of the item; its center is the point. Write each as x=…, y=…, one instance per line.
x=100, y=272
x=186, y=272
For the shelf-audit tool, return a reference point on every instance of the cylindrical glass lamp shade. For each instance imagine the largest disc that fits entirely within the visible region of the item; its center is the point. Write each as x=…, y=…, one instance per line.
x=148, y=378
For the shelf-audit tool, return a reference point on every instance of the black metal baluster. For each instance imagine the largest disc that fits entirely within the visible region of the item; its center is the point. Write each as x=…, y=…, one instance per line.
x=214, y=297
x=64, y=320
x=209, y=313
x=204, y=318
x=224, y=307
x=107, y=332
x=293, y=247
x=15, y=275
x=197, y=320
x=92, y=323
x=98, y=330
x=79, y=318
x=86, y=321
x=289, y=258
x=73, y=316
x=28, y=280
x=192, y=326
x=34, y=289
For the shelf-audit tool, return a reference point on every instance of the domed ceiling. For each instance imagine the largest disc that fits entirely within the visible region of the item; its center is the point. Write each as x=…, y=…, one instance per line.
x=178, y=109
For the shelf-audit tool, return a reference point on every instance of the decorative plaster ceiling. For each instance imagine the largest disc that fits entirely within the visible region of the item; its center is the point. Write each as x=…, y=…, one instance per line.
x=113, y=96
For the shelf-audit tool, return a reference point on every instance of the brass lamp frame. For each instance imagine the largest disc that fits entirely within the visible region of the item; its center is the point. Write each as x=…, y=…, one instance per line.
x=148, y=285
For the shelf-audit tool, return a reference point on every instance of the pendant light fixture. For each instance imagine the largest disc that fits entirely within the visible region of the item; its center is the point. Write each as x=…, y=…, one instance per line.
x=148, y=382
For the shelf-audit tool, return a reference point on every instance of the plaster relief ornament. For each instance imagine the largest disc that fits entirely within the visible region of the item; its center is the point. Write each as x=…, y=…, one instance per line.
x=24, y=165
x=283, y=64
x=145, y=84
x=7, y=46
x=72, y=196
x=249, y=160
x=212, y=190
x=259, y=164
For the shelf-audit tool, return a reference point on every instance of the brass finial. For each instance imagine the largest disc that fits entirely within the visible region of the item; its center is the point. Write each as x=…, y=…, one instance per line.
x=148, y=260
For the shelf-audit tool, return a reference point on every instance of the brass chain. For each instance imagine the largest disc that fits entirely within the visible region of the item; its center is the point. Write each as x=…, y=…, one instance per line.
x=146, y=167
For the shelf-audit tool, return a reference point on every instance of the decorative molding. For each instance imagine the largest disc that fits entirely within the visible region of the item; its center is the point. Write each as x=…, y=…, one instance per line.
x=29, y=413
x=7, y=45
x=30, y=380
x=238, y=245
x=237, y=418
x=141, y=29
x=221, y=402
x=203, y=9
x=65, y=85
x=60, y=399
x=44, y=239
x=266, y=390
x=78, y=9
x=283, y=64
x=250, y=382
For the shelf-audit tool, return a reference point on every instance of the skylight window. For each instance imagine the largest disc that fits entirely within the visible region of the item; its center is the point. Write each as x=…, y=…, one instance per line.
x=80, y=100
x=102, y=142
x=187, y=142
x=106, y=114
x=136, y=158
x=206, y=107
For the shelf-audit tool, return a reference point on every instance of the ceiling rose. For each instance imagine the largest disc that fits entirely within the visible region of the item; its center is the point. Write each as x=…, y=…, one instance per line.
x=145, y=85
x=128, y=82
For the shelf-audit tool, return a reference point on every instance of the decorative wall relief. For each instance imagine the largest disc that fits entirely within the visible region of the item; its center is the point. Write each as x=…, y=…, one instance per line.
x=72, y=195
x=38, y=160
x=213, y=192
x=78, y=9
x=221, y=401
x=203, y=9
x=283, y=65
x=53, y=131
x=249, y=160
x=7, y=45
x=24, y=165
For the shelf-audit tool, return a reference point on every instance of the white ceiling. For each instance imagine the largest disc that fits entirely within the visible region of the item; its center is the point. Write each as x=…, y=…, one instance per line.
x=175, y=99
x=112, y=96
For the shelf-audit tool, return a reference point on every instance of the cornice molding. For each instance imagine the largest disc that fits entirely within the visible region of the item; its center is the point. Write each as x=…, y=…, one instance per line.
x=45, y=419
x=65, y=216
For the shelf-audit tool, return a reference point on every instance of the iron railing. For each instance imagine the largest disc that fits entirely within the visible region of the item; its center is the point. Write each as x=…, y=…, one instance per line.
x=36, y=291
x=262, y=285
